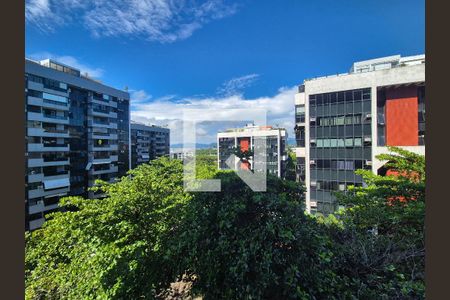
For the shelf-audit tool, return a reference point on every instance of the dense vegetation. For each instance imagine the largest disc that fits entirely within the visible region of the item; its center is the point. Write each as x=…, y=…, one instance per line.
x=234, y=244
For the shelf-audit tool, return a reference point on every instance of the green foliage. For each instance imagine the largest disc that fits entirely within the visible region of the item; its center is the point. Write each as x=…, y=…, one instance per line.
x=381, y=251
x=291, y=165
x=240, y=244
x=111, y=248
x=206, y=164
x=234, y=244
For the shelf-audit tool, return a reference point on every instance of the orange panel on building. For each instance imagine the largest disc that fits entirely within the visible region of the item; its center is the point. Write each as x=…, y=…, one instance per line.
x=402, y=124
x=245, y=144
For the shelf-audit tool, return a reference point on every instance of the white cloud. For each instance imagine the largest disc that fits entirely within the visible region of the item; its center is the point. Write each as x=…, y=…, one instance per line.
x=280, y=112
x=139, y=96
x=236, y=85
x=70, y=61
x=155, y=20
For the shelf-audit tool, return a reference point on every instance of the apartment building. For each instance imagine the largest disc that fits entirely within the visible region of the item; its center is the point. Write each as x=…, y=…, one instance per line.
x=77, y=131
x=246, y=138
x=343, y=121
x=148, y=142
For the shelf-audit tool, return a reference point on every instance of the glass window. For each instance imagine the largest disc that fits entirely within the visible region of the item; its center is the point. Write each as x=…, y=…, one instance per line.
x=333, y=143
x=348, y=96
x=358, y=164
x=358, y=142
x=300, y=109
x=340, y=165
x=333, y=98
x=349, y=165
x=320, y=143
x=319, y=99
x=348, y=142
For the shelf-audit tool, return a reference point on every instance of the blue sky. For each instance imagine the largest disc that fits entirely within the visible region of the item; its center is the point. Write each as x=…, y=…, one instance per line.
x=217, y=54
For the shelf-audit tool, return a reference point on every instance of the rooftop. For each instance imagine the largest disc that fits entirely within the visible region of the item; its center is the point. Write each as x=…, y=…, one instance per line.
x=58, y=66
x=382, y=63
x=252, y=127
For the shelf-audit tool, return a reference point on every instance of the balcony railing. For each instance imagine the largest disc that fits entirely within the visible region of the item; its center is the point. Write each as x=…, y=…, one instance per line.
x=53, y=130
x=55, y=117
x=53, y=158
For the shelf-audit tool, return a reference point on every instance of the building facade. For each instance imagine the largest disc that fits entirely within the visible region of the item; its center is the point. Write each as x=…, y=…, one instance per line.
x=245, y=139
x=148, y=143
x=343, y=121
x=77, y=131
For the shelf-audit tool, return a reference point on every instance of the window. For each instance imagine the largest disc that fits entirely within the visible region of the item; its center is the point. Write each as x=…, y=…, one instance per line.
x=319, y=143
x=340, y=120
x=349, y=165
x=348, y=142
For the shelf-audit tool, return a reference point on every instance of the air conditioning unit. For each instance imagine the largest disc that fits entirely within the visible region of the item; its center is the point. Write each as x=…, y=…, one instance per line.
x=312, y=162
x=367, y=139
x=313, y=183
x=312, y=141
x=312, y=119
x=368, y=116
x=368, y=162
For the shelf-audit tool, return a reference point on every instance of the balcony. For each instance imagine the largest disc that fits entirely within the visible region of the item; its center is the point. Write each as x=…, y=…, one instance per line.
x=48, y=132
x=34, y=224
x=40, y=192
x=34, y=116
x=102, y=124
x=104, y=136
x=35, y=178
x=103, y=113
x=110, y=169
x=104, y=148
x=57, y=175
x=48, y=147
x=41, y=207
x=47, y=103
x=35, y=86
x=40, y=162
x=103, y=102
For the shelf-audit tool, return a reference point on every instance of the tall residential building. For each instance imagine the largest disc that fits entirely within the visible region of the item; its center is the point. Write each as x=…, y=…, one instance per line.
x=77, y=131
x=244, y=138
x=148, y=142
x=343, y=121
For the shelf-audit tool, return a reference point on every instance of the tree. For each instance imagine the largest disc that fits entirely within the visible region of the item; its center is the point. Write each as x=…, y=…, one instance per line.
x=291, y=166
x=240, y=244
x=381, y=251
x=111, y=248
